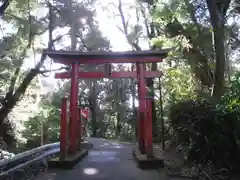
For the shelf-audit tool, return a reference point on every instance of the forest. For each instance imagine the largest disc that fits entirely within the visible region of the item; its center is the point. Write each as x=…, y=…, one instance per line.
x=196, y=107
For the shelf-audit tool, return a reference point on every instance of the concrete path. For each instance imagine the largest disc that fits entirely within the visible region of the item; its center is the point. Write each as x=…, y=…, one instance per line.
x=108, y=160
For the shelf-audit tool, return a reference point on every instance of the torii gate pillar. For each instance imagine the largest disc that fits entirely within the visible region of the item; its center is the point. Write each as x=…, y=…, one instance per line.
x=142, y=92
x=74, y=110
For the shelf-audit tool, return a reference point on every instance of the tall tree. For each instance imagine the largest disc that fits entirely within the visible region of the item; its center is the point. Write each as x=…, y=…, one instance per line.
x=217, y=11
x=178, y=28
x=19, y=43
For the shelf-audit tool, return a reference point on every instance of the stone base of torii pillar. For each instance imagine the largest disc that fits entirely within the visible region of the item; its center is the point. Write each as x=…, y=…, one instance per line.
x=145, y=161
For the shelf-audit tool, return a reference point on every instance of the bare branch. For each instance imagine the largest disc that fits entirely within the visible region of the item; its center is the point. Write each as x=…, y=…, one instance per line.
x=30, y=25
x=59, y=38
x=50, y=27
x=83, y=41
x=125, y=30
x=145, y=20
x=51, y=70
x=22, y=56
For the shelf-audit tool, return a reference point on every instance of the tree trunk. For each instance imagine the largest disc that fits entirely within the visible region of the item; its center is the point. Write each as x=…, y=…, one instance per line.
x=73, y=27
x=217, y=21
x=101, y=125
x=161, y=114
x=118, y=127
x=134, y=120
x=93, y=109
x=11, y=100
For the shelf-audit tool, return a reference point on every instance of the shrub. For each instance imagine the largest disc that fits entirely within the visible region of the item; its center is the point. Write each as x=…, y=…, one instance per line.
x=7, y=136
x=210, y=132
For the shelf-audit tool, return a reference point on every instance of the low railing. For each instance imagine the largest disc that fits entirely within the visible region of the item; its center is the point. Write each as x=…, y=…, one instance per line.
x=27, y=163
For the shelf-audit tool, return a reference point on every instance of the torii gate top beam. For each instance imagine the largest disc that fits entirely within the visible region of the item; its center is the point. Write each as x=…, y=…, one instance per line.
x=69, y=57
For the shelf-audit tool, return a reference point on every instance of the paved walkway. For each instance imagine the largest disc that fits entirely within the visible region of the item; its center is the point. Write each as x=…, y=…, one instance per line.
x=108, y=160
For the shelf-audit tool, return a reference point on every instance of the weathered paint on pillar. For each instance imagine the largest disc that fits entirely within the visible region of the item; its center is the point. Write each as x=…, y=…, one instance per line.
x=74, y=109
x=63, y=128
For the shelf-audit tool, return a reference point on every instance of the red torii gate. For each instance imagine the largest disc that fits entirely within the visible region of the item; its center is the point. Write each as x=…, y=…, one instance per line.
x=74, y=59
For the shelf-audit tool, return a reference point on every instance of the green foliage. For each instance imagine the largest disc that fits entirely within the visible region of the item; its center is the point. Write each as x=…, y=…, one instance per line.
x=18, y=30
x=175, y=27
x=178, y=84
x=27, y=24
x=45, y=124
x=231, y=100
x=185, y=27
x=210, y=132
